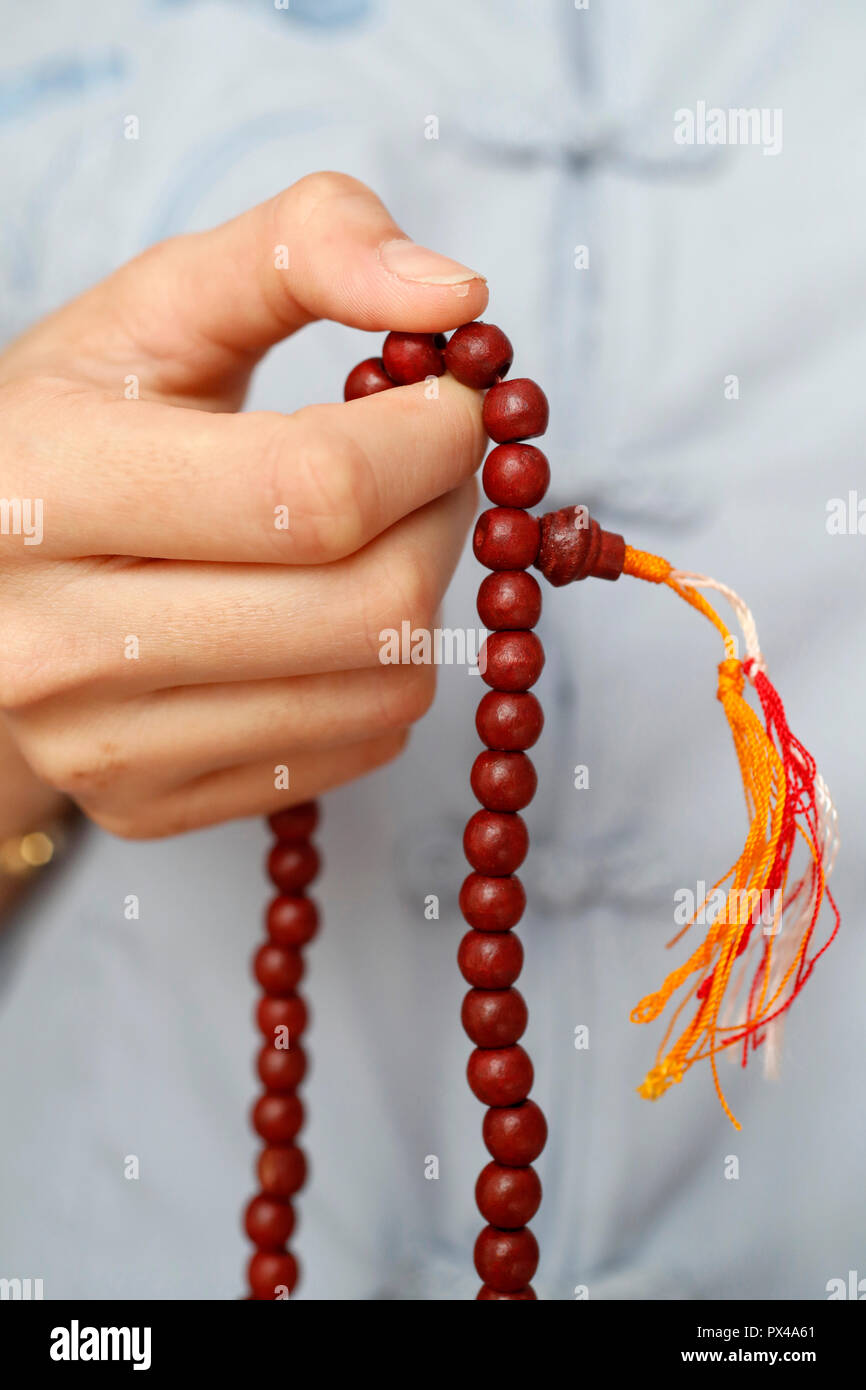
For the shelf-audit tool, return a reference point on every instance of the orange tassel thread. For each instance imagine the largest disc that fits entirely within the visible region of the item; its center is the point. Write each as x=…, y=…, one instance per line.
x=765, y=922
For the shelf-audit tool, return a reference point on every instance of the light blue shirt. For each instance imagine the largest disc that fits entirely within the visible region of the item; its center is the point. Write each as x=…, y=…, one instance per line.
x=705, y=264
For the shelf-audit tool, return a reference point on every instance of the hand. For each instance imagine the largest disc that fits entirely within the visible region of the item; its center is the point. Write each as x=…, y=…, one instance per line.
x=165, y=647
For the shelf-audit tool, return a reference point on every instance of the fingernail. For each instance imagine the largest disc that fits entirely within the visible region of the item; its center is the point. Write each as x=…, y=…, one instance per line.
x=424, y=267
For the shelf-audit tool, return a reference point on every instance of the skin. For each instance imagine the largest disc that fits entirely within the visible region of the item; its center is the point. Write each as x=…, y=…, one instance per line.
x=257, y=646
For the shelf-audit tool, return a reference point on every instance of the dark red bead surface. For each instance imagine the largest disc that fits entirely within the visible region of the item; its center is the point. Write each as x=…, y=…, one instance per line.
x=292, y=921
x=296, y=822
x=490, y=960
x=478, y=354
x=366, y=379
x=509, y=599
x=289, y=1013
x=492, y=904
x=509, y=722
x=278, y=968
x=507, y=1197
x=511, y=660
x=281, y=1171
x=503, y=781
x=515, y=409
x=494, y=1018
x=293, y=864
x=486, y=1295
x=495, y=842
x=500, y=1075
x=515, y=1135
x=411, y=357
x=277, y=1119
x=506, y=1260
x=282, y=1068
x=271, y=1273
x=269, y=1221
x=506, y=538
x=516, y=475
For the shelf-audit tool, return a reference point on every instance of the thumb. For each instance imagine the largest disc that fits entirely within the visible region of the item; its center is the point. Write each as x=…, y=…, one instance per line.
x=207, y=305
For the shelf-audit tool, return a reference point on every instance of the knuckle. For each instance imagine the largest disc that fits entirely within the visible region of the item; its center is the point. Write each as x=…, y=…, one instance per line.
x=414, y=696
x=334, y=485
x=306, y=196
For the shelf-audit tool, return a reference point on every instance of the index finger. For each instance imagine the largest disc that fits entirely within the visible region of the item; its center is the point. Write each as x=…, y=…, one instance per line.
x=143, y=479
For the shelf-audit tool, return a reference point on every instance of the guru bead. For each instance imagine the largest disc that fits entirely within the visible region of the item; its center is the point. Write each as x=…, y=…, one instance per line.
x=516, y=475
x=478, y=354
x=495, y=842
x=506, y=1260
x=366, y=379
x=411, y=357
x=573, y=546
x=509, y=722
x=500, y=1075
x=509, y=599
x=492, y=904
x=506, y=538
x=507, y=1197
x=503, y=781
x=511, y=660
x=515, y=409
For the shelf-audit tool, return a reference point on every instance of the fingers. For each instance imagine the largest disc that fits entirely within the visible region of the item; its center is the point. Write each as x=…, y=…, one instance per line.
x=139, y=628
x=202, y=308
x=244, y=791
x=142, y=479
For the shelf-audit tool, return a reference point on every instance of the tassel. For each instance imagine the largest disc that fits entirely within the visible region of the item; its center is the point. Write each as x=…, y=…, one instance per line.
x=767, y=926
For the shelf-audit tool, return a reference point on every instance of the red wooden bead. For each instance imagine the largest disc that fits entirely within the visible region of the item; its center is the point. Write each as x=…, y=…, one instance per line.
x=495, y=842
x=278, y=1118
x=272, y=1275
x=506, y=538
x=410, y=357
x=293, y=864
x=289, y=1013
x=486, y=1294
x=282, y=1171
x=509, y=722
x=495, y=1018
x=490, y=960
x=282, y=1068
x=292, y=921
x=507, y=1197
x=492, y=904
x=278, y=968
x=478, y=354
x=500, y=1075
x=366, y=379
x=296, y=822
x=516, y=475
x=509, y=599
x=515, y=409
x=511, y=660
x=515, y=1135
x=503, y=781
x=506, y=1260
x=269, y=1222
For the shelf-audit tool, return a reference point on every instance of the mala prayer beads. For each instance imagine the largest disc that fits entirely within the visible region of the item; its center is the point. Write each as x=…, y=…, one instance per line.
x=788, y=803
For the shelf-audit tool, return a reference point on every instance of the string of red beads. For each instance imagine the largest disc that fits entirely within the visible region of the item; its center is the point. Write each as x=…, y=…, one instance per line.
x=509, y=720
x=281, y=1015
